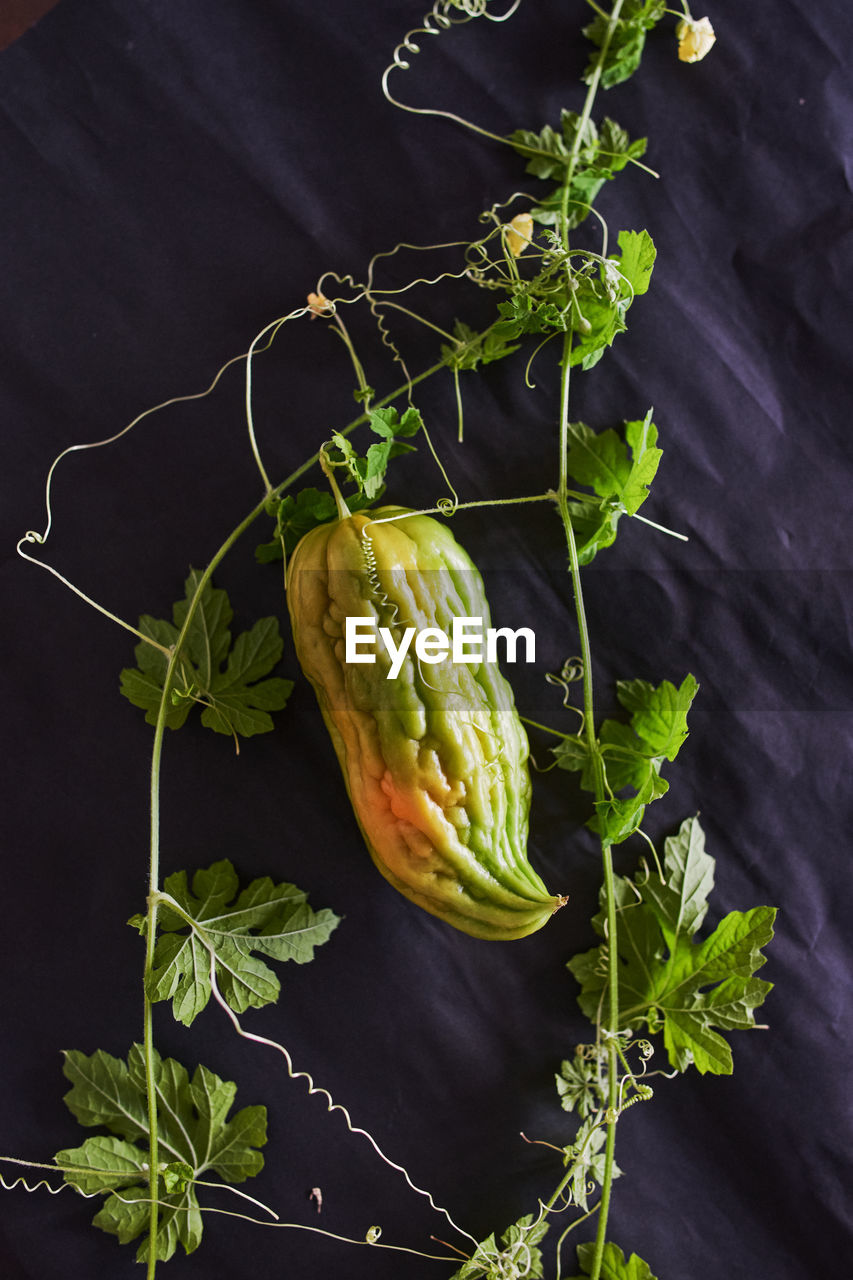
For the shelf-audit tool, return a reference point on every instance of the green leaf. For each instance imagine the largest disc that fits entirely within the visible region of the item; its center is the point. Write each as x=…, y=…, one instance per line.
x=348, y=460
x=548, y=152
x=368, y=472
x=603, y=301
x=574, y=755
x=680, y=903
x=523, y=313
x=125, y=1215
x=617, y=819
x=582, y=1083
x=637, y=260
x=601, y=154
x=296, y=516
x=591, y=301
x=264, y=919
x=586, y=1158
x=631, y=755
x=236, y=700
x=619, y=471
x=143, y=685
x=658, y=713
x=667, y=980
x=595, y=527
x=376, y=458
x=613, y=1264
x=472, y=349
x=392, y=426
x=615, y=147
x=195, y=1137
x=626, y=43
x=516, y=1255
x=102, y=1163
x=176, y=1176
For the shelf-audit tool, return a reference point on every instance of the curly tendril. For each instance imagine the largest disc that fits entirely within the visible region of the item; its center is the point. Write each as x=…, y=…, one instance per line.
x=35, y=538
x=372, y=570
x=440, y=18
x=294, y=1075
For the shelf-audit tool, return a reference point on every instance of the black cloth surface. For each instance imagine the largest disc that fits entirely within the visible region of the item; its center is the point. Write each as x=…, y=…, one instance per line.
x=174, y=177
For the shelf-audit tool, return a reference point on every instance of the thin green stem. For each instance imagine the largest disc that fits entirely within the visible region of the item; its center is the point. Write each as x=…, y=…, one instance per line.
x=594, y=82
x=113, y=617
x=661, y=528
x=598, y=774
x=489, y=502
x=612, y=1015
x=150, y=943
x=343, y=510
x=460, y=416
x=271, y=329
x=154, y=897
x=154, y=884
x=363, y=387
x=589, y=720
x=612, y=1061
x=574, y=569
x=607, y=860
x=578, y=1222
x=534, y=724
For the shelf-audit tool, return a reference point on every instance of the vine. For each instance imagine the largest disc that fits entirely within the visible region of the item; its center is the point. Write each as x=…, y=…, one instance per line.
x=209, y=938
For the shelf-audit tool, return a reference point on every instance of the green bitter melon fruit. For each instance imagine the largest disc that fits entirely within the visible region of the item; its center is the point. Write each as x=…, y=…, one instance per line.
x=435, y=759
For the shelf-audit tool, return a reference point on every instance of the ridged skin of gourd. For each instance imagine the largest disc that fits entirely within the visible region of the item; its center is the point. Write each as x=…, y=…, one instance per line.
x=434, y=760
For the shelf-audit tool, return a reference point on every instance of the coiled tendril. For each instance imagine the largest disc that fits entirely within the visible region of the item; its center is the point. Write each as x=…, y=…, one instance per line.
x=440, y=18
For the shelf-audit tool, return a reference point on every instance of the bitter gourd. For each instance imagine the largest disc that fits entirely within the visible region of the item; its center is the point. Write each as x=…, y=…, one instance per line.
x=435, y=759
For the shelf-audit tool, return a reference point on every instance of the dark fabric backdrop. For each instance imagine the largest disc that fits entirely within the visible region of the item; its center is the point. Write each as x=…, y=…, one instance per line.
x=175, y=176
x=17, y=16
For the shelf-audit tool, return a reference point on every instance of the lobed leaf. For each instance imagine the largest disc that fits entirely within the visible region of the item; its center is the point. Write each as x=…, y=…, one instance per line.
x=614, y=1265
x=126, y=1216
x=235, y=701
x=516, y=1255
x=582, y=1084
x=238, y=926
x=618, y=471
x=297, y=515
x=625, y=42
x=368, y=472
x=631, y=755
x=689, y=990
x=604, y=301
x=195, y=1136
x=586, y=1159
x=598, y=156
x=471, y=349
x=101, y=1164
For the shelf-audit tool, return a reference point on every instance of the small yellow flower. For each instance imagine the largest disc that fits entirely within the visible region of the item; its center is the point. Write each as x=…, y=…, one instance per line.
x=319, y=305
x=695, y=38
x=519, y=234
